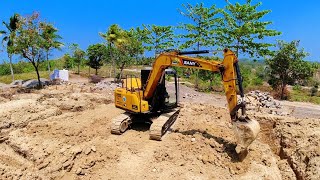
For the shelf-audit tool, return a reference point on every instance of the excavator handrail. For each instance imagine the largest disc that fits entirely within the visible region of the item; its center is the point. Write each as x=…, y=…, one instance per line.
x=193, y=52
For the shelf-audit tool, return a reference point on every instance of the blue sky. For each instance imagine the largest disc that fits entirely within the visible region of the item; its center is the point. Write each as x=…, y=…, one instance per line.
x=79, y=21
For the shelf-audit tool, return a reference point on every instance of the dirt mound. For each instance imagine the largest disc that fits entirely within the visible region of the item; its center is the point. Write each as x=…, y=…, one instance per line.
x=300, y=145
x=63, y=132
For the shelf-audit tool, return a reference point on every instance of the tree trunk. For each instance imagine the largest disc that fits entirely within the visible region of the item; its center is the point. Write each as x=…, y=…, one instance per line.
x=113, y=62
x=110, y=72
x=282, y=90
x=211, y=84
x=79, y=68
x=121, y=70
x=237, y=48
x=96, y=71
x=11, y=68
x=48, y=63
x=197, y=70
x=38, y=75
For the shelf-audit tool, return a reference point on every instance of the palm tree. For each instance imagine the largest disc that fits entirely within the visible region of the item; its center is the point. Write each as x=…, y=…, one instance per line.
x=79, y=57
x=113, y=36
x=50, y=37
x=9, y=37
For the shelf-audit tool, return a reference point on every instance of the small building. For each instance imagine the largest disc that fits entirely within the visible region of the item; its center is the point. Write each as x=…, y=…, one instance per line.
x=60, y=74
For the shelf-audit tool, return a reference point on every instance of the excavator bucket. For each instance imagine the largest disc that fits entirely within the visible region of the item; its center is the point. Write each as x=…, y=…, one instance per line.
x=246, y=131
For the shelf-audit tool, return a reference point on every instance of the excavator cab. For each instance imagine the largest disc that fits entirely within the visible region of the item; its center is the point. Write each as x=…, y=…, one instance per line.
x=165, y=96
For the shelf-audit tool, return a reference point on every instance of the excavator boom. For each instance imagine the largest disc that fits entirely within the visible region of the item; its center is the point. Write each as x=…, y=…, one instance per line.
x=226, y=68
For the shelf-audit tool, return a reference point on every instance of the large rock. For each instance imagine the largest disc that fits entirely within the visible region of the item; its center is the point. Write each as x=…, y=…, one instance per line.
x=18, y=82
x=33, y=83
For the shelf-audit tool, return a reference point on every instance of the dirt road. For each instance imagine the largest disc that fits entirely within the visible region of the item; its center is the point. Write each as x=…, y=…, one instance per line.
x=63, y=132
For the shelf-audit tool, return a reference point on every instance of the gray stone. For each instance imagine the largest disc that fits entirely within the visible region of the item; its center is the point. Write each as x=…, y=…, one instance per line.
x=17, y=82
x=33, y=83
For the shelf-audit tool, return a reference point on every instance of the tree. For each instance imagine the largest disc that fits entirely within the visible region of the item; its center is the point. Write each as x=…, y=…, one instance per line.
x=287, y=66
x=30, y=43
x=113, y=36
x=97, y=53
x=9, y=37
x=79, y=58
x=51, y=39
x=68, y=61
x=127, y=50
x=202, y=29
x=157, y=38
x=244, y=30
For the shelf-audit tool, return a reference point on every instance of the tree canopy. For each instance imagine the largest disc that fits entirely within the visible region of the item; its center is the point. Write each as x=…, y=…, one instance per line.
x=244, y=30
x=51, y=39
x=201, y=30
x=158, y=38
x=97, y=54
x=30, y=43
x=287, y=66
x=9, y=36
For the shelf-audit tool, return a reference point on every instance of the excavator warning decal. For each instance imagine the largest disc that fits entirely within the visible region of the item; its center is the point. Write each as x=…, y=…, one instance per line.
x=190, y=63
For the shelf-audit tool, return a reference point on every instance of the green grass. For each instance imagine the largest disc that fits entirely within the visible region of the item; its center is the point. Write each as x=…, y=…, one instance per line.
x=23, y=76
x=304, y=96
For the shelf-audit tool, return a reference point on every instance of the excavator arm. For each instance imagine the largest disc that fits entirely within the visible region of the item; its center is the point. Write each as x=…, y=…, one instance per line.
x=245, y=129
x=226, y=68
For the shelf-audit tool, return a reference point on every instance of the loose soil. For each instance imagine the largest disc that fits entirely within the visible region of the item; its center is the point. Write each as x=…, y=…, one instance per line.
x=63, y=132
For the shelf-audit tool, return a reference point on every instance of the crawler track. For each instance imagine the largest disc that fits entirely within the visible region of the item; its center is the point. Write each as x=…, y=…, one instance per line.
x=161, y=124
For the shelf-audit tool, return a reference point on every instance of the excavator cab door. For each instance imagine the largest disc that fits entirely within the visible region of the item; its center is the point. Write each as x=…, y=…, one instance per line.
x=172, y=88
x=166, y=94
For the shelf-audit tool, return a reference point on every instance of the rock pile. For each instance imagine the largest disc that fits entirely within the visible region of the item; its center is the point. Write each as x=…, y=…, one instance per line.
x=189, y=95
x=33, y=83
x=262, y=99
x=107, y=85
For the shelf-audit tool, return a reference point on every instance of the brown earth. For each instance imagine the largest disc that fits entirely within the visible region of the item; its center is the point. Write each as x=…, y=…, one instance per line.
x=63, y=132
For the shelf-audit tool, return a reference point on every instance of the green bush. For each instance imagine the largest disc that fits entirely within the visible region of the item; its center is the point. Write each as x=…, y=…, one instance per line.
x=4, y=69
x=297, y=87
x=257, y=81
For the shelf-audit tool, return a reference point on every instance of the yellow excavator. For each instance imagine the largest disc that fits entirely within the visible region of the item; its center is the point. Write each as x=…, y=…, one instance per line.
x=145, y=99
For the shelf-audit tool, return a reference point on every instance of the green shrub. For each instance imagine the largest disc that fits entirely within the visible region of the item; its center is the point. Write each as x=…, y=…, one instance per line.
x=296, y=87
x=257, y=81
x=5, y=69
